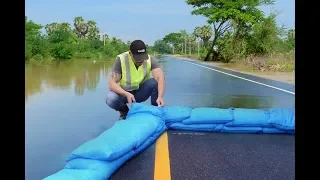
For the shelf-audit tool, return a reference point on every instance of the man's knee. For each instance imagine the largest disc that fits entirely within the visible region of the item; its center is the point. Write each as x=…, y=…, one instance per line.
x=152, y=83
x=112, y=99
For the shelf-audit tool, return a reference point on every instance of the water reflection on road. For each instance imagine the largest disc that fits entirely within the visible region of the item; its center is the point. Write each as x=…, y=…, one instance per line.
x=64, y=107
x=79, y=76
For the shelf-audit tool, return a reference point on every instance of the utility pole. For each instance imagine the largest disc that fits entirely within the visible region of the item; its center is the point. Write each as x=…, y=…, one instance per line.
x=105, y=35
x=104, y=40
x=182, y=47
x=190, y=47
x=198, y=48
x=185, y=45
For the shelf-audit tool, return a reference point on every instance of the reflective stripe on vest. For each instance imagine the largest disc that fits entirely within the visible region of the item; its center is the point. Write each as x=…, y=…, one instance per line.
x=131, y=76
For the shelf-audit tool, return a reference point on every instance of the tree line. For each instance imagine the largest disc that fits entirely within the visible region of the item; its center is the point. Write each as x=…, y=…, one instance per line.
x=61, y=41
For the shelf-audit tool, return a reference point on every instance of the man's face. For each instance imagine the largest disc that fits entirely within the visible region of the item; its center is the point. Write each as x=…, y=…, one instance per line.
x=138, y=63
x=134, y=61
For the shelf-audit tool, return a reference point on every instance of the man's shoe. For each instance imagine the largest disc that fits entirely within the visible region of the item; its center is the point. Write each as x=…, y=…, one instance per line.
x=123, y=115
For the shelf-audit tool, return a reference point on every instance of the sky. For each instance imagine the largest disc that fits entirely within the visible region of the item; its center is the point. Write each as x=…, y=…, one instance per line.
x=148, y=20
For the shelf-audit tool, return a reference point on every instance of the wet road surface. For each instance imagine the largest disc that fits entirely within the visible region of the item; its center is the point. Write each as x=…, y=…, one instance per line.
x=65, y=109
x=229, y=156
x=277, y=84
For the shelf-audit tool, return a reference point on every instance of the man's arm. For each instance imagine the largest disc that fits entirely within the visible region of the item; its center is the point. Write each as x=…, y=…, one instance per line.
x=158, y=75
x=115, y=77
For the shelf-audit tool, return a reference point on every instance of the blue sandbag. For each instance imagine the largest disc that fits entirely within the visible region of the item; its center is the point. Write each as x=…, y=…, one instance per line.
x=249, y=118
x=192, y=127
x=209, y=116
x=77, y=174
x=157, y=133
x=272, y=131
x=138, y=108
x=88, y=169
x=283, y=119
x=119, y=139
x=176, y=113
x=241, y=129
x=197, y=127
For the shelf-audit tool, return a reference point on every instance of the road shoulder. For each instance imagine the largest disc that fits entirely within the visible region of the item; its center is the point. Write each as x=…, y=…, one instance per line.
x=286, y=77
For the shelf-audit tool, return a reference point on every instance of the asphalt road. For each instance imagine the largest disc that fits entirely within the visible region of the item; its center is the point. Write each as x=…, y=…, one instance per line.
x=198, y=155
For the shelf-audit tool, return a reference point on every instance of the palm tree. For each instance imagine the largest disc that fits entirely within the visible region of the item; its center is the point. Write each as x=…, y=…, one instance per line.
x=51, y=27
x=81, y=27
x=205, y=33
x=93, y=32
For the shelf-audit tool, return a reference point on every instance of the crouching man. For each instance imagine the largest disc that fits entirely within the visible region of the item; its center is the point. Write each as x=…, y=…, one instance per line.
x=133, y=70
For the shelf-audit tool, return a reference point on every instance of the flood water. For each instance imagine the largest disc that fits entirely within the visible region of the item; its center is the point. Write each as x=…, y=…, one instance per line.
x=65, y=104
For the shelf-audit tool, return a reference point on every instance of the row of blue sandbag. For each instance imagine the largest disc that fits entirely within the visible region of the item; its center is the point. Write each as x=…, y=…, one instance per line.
x=100, y=157
x=231, y=120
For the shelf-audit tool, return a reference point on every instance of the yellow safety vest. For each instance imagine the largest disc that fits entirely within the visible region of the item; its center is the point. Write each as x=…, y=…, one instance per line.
x=132, y=77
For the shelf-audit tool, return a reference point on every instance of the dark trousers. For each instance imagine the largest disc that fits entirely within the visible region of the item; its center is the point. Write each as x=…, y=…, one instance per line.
x=147, y=89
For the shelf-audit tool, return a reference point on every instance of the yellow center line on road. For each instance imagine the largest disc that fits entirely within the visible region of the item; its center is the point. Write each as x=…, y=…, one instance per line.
x=162, y=160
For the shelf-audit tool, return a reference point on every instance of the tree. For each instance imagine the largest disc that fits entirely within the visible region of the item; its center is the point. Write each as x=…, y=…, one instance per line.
x=204, y=32
x=173, y=38
x=265, y=36
x=31, y=28
x=34, y=42
x=80, y=26
x=93, y=30
x=291, y=38
x=57, y=26
x=222, y=13
x=161, y=47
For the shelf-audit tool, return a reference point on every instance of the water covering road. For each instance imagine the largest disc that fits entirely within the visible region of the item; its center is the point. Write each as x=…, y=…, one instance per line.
x=65, y=106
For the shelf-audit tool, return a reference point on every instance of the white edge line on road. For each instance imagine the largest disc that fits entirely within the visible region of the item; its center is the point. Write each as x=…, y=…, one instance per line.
x=187, y=61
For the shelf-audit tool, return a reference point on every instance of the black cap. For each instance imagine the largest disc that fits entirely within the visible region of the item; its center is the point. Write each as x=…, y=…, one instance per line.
x=139, y=51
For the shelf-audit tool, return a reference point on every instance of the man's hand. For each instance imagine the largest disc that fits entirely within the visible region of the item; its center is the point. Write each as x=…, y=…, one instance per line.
x=160, y=101
x=130, y=98
x=158, y=75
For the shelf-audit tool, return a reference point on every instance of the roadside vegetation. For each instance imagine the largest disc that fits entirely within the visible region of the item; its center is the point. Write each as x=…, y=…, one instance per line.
x=237, y=32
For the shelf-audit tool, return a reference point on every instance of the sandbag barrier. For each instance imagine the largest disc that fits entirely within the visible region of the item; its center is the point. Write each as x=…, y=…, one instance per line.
x=100, y=157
